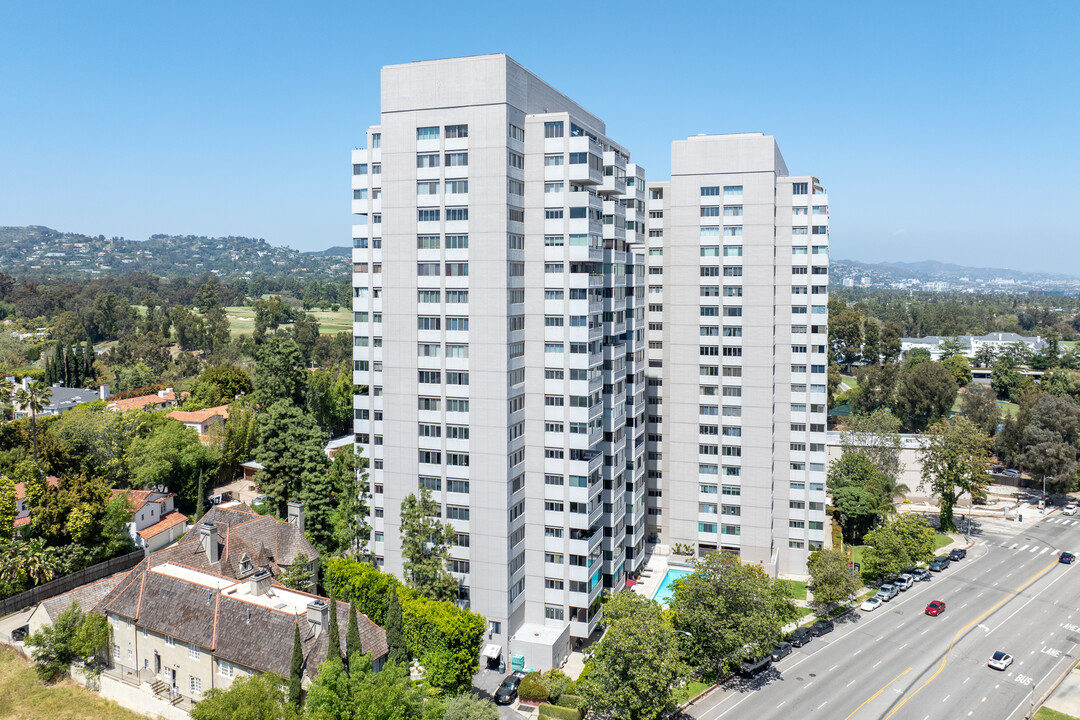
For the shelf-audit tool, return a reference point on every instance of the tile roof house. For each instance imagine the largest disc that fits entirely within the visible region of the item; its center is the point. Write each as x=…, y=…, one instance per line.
x=203, y=422
x=86, y=597
x=63, y=398
x=179, y=630
x=233, y=540
x=162, y=399
x=155, y=522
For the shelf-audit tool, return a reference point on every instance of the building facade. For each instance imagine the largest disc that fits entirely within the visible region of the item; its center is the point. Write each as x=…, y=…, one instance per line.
x=737, y=307
x=498, y=335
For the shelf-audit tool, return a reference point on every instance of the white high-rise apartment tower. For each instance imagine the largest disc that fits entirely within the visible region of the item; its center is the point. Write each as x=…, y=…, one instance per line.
x=737, y=296
x=499, y=333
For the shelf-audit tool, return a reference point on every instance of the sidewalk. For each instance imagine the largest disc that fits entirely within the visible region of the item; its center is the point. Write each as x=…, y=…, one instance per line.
x=1066, y=697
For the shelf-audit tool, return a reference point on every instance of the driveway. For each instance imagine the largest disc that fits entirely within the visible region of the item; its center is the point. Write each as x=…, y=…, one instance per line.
x=10, y=622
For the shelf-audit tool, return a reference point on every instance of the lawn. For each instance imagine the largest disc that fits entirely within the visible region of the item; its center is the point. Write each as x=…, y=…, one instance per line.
x=22, y=697
x=1046, y=713
x=796, y=588
x=690, y=690
x=242, y=320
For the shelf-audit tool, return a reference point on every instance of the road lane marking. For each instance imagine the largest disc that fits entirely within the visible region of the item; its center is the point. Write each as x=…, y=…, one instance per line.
x=851, y=683
x=881, y=661
x=808, y=684
x=946, y=698
x=1013, y=545
x=961, y=631
x=1023, y=548
x=1044, y=550
x=1029, y=600
x=833, y=668
x=1033, y=548
x=781, y=703
x=965, y=680
x=874, y=696
x=822, y=704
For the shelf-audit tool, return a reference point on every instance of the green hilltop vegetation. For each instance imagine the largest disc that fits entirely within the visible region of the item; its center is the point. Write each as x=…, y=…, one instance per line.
x=36, y=251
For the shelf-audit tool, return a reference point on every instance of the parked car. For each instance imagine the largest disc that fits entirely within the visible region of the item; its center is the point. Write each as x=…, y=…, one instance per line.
x=887, y=592
x=1000, y=660
x=19, y=634
x=957, y=554
x=935, y=608
x=782, y=650
x=800, y=637
x=904, y=582
x=939, y=563
x=1069, y=509
x=920, y=574
x=872, y=603
x=507, y=692
x=1067, y=558
x=822, y=627
x=1011, y=473
x=751, y=667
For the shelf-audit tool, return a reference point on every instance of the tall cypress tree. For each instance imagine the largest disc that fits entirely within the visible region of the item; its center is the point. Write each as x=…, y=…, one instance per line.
x=395, y=632
x=200, y=502
x=352, y=636
x=88, y=361
x=297, y=668
x=333, y=648
x=72, y=379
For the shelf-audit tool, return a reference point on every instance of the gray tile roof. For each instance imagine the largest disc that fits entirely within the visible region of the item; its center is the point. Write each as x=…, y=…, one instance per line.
x=232, y=628
x=86, y=596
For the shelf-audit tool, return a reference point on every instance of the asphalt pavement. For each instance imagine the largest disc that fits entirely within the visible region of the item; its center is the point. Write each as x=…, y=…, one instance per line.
x=1010, y=594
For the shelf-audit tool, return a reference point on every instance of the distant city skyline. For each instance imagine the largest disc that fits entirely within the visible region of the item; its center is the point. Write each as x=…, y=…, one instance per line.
x=941, y=132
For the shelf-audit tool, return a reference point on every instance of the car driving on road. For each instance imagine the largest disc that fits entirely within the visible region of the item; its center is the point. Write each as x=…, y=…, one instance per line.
x=1000, y=660
x=935, y=608
x=1067, y=558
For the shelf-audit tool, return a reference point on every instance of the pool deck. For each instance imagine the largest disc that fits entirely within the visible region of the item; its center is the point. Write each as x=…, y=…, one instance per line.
x=656, y=566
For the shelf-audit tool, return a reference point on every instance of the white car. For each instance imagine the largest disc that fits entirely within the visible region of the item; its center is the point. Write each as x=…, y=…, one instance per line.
x=871, y=604
x=1069, y=509
x=1000, y=660
x=904, y=581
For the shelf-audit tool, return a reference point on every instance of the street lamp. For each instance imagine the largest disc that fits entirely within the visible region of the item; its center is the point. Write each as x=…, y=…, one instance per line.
x=1031, y=713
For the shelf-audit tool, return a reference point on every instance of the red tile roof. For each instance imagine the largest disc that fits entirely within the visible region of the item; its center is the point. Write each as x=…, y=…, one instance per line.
x=171, y=520
x=200, y=416
x=20, y=488
x=139, y=403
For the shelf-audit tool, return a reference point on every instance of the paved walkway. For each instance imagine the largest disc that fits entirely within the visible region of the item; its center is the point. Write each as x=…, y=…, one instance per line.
x=1066, y=698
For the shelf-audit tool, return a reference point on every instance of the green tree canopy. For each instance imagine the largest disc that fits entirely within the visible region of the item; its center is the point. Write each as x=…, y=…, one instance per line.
x=979, y=404
x=255, y=697
x=954, y=462
x=291, y=452
x=924, y=393
x=729, y=608
x=857, y=488
x=831, y=579
x=635, y=668
x=172, y=456
x=425, y=547
x=279, y=372
x=960, y=369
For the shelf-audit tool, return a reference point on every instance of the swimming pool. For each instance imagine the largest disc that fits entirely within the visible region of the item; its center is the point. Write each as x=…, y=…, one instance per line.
x=663, y=593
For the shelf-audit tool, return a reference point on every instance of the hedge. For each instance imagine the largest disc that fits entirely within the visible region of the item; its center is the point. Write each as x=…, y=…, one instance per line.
x=561, y=713
x=533, y=687
x=570, y=701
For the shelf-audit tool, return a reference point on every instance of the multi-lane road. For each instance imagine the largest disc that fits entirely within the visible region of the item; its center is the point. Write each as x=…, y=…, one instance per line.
x=1009, y=594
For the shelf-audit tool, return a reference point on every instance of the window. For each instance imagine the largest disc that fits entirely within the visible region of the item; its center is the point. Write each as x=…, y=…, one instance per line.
x=426, y=187
x=116, y=652
x=457, y=269
x=169, y=641
x=553, y=129
x=710, y=211
x=553, y=213
x=427, y=215
x=457, y=512
x=225, y=669
x=427, y=242
x=458, y=159
x=457, y=405
x=427, y=269
x=710, y=191
x=427, y=133
x=459, y=187
x=427, y=160
x=517, y=134
x=515, y=160
x=553, y=613
x=550, y=160
x=193, y=652
x=457, y=131
x=359, y=169
x=195, y=684
x=733, y=211
x=800, y=188
x=553, y=532
x=732, y=190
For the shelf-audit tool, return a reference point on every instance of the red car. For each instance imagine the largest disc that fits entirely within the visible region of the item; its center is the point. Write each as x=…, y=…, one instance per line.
x=935, y=608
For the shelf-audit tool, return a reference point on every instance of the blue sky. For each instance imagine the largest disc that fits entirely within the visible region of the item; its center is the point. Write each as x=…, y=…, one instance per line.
x=944, y=131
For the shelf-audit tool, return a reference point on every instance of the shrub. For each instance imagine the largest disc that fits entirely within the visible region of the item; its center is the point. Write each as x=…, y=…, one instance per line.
x=533, y=688
x=561, y=713
x=557, y=683
x=570, y=701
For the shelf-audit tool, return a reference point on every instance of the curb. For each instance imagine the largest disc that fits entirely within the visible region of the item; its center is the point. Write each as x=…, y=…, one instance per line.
x=1046, y=695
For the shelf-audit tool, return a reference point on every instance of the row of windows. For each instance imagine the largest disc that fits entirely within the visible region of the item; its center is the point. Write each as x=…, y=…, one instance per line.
x=431, y=187
x=452, y=131
x=453, y=432
x=434, y=484
x=452, y=159
x=435, y=214
x=817, y=250
x=427, y=322
x=434, y=404
x=452, y=269
x=729, y=211
x=714, y=190
x=435, y=296
x=435, y=350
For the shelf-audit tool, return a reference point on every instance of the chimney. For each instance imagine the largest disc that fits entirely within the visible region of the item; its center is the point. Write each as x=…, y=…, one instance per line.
x=259, y=583
x=296, y=514
x=208, y=534
x=318, y=614
x=104, y=391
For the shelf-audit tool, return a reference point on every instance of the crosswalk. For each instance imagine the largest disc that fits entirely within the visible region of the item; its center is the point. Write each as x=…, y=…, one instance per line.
x=1026, y=548
x=1061, y=521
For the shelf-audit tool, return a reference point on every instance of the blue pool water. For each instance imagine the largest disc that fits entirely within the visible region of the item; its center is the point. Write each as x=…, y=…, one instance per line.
x=663, y=593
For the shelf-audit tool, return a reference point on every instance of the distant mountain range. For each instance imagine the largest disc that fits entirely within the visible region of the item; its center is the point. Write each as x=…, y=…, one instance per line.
x=932, y=270
x=40, y=251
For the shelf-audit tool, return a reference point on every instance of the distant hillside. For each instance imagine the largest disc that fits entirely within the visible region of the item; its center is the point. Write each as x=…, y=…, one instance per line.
x=958, y=277
x=948, y=270
x=42, y=251
x=338, y=251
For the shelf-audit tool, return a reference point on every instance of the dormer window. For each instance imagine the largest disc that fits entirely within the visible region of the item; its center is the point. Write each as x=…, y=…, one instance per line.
x=245, y=564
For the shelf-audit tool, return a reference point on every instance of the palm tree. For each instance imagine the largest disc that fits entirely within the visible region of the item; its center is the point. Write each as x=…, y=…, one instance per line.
x=7, y=389
x=35, y=396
